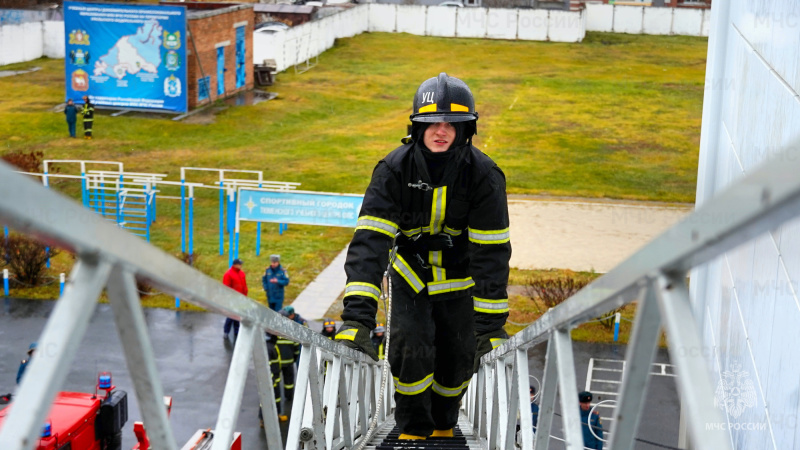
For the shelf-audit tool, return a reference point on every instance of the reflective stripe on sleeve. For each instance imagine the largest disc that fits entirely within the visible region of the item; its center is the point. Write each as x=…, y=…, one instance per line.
x=489, y=236
x=490, y=306
x=449, y=392
x=438, y=207
x=441, y=287
x=451, y=231
x=377, y=224
x=414, y=388
x=365, y=289
x=497, y=342
x=405, y=271
x=349, y=335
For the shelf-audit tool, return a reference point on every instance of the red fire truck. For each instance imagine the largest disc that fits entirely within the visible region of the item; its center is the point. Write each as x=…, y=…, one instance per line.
x=80, y=421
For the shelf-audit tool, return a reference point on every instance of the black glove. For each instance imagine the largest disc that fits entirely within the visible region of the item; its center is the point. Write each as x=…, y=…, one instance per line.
x=488, y=342
x=356, y=336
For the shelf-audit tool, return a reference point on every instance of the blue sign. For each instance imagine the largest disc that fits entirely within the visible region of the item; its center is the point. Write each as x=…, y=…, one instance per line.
x=126, y=56
x=306, y=208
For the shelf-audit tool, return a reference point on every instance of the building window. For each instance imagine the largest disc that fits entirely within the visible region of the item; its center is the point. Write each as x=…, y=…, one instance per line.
x=203, y=85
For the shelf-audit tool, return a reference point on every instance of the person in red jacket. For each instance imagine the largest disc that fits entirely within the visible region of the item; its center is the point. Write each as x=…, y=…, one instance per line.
x=235, y=279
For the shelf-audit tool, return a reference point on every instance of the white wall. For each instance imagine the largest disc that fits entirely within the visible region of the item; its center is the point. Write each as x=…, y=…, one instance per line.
x=746, y=301
x=647, y=20
x=31, y=40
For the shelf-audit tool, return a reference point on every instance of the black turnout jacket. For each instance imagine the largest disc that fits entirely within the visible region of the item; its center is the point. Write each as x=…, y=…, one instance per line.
x=452, y=237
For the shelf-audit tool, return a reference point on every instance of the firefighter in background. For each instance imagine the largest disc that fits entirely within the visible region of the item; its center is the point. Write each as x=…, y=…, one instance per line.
x=275, y=370
x=24, y=363
x=328, y=328
x=88, y=117
x=377, y=340
x=289, y=352
x=442, y=202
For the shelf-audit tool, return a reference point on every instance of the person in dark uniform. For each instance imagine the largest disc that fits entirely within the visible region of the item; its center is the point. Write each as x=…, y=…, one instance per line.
x=275, y=279
x=328, y=328
x=441, y=204
x=275, y=370
x=289, y=352
x=590, y=440
x=378, y=340
x=88, y=117
x=71, y=113
x=24, y=363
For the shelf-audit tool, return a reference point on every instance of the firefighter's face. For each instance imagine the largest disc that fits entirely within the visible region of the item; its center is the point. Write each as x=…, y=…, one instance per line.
x=439, y=136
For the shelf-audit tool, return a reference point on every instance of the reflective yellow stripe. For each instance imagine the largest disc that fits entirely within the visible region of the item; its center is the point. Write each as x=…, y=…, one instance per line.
x=497, y=342
x=413, y=388
x=449, y=392
x=428, y=108
x=451, y=231
x=441, y=287
x=490, y=306
x=377, y=224
x=349, y=334
x=365, y=289
x=415, y=231
x=435, y=260
x=438, y=207
x=405, y=271
x=489, y=236
x=454, y=107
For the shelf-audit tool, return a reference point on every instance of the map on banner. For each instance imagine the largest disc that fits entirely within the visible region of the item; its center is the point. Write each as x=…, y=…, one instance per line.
x=306, y=208
x=128, y=56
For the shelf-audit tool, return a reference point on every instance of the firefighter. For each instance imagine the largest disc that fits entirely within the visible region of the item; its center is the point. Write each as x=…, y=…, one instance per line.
x=275, y=369
x=378, y=339
x=88, y=117
x=289, y=352
x=442, y=203
x=328, y=328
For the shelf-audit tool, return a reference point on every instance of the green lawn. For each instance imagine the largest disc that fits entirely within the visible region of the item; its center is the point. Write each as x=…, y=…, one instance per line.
x=617, y=116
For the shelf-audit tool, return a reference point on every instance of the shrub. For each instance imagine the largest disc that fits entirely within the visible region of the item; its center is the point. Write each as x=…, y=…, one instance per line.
x=553, y=291
x=26, y=258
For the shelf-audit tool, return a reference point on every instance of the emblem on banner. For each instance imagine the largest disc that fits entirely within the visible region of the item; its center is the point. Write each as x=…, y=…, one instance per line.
x=79, y=57
x=735, y=392
x=79, y=37
x=172, y=40
x=80, y=80
x=172, y=86
x=173, y=60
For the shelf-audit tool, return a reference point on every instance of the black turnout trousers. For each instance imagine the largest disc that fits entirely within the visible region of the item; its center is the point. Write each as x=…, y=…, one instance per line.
x=431, y=352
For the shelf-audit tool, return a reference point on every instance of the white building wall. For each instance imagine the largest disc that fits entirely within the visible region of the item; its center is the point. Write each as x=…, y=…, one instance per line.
x=746, y=301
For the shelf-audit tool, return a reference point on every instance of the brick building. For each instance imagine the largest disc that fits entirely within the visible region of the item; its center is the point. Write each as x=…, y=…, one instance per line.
x=219, y=50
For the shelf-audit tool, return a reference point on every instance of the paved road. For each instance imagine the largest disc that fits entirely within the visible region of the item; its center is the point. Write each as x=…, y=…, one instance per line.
x=193, y=363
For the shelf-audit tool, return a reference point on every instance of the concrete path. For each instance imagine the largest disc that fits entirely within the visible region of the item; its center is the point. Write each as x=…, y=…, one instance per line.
x=577, y=235
x=583, y=235
x=320, y=294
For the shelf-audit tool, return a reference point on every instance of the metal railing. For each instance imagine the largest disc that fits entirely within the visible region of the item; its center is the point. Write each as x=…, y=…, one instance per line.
x=336, y=388
x=654, y=277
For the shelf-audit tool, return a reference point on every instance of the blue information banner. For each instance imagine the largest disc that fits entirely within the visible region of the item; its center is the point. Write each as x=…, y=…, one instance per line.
x=306, y=208
x=126, y=56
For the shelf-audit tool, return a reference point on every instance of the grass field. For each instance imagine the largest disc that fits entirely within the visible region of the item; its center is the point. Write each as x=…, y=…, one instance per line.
x=616, y=116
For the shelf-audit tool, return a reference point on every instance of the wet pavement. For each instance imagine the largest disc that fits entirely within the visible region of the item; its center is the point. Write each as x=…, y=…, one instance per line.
x=193, y=361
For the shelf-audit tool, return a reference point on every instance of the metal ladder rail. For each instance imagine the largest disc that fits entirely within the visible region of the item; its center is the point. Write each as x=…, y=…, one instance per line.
x=113, y=258
x=655, y=276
